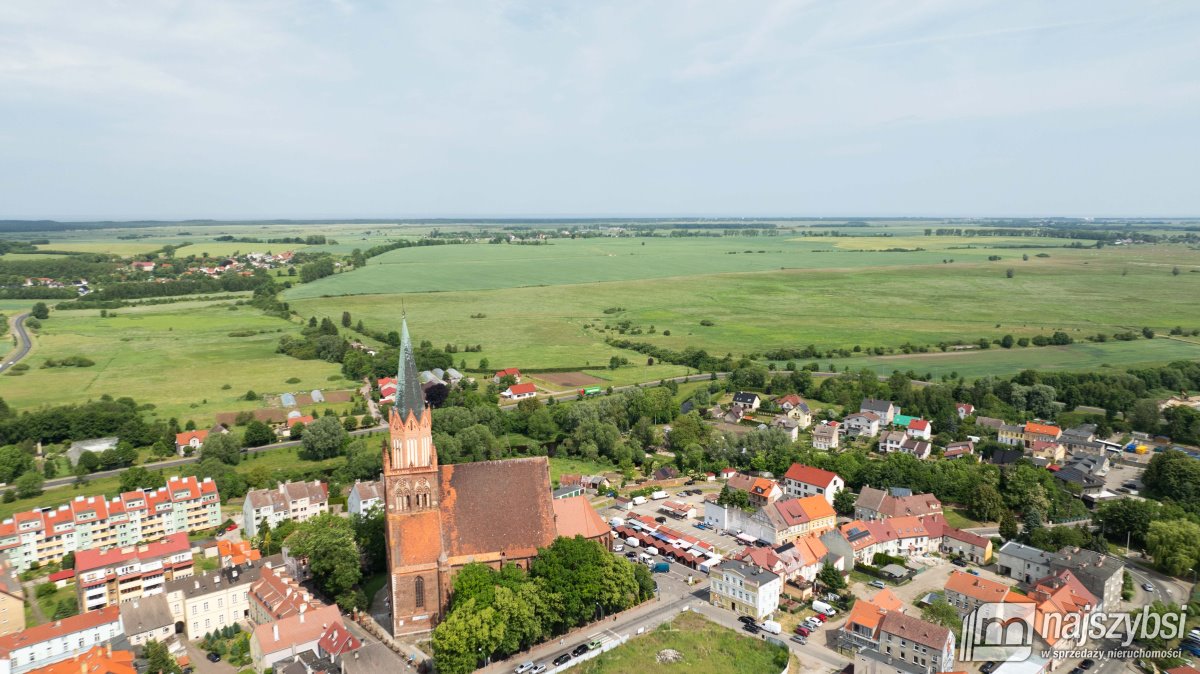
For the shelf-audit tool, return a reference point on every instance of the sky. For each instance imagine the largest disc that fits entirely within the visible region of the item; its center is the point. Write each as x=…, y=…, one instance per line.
x=169, y=109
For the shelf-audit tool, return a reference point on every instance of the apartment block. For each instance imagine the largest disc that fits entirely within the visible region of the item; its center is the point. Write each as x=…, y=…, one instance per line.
x=91, y=522
x=295, y=501
x=115, y=575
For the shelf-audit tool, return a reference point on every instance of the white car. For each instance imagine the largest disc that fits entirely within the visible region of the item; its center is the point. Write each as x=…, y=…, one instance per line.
x=524, y=667
x=618, y=547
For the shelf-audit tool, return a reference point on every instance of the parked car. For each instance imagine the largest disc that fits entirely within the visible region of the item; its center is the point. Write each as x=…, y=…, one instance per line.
x=745, y=619
x=973, y=572
x=1087, y=664
x=525, y=667
x=989, y=667
x=812, y=623
x=1077, y=670
x=562, y=659
x=579, y=650
x=821, y=616
x=631, y=554
x=214, y=656
x=751, y=628
x=594, y=644
x=1147, y=587
x=959, y=561
x=540, y=669
x=802, y=630
x=660, y=519
x=878, y=583
x=799, y=639
x=617, y=547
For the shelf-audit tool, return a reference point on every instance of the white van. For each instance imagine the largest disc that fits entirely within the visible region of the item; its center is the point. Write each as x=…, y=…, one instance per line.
x=659, y=495
x=632, y=542
x=823, y=607
x=618, y=547
x=616, y=522
x=772, y=627
x=639, y=500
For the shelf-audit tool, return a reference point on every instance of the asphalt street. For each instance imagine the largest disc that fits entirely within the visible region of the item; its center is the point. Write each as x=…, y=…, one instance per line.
x=18, y=328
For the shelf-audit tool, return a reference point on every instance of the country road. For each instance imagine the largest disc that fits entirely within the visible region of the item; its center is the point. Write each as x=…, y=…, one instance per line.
x=183, y=461
x=18, y=328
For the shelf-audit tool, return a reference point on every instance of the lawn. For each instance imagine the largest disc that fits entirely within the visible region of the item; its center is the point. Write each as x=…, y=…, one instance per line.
x=957, y=518
x=560, y=465
x=180, y=357
x=856, y=298
x=705, y=647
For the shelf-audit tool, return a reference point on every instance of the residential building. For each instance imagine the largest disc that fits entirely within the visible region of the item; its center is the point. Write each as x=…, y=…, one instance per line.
x=147, y=618
x=787, y=425
x=568, y=491
x=861, y=629
x=12, y=601
x=965, y=544
x=746, y=401
x=1009, y=434
x=789, y=519
x=920, y=429
x=745, y=589
x=364, y=496
x=276, y=595
x=1050, y=451
x=989, y=422
x=958, y=450
x=1022, y=562
x=215, y=599
x=964, y=410
x=115, y=575
x=507, y=372
x=884, y=410
x=870, y=661
x=891, y=441
x=1082, y=438
x=864, y=424
x=98, y=660
x=1039, y=432
x=1099, y=573
x=576, y=517
x=236, y=553
x=1006, y=457
x=520, y=392
x=678, y=509
x=190, y=442
x=281, y=639
x=46, y=535
x=294, y=501
x=1083, y=482
x=760, y=489
x=800, y=480
x=797, y=562
x=965, y=592
x=59, y=640
x=917, y=641
x=875, y=504
x=825, y=437
x=795, y=407
x=1056, y=597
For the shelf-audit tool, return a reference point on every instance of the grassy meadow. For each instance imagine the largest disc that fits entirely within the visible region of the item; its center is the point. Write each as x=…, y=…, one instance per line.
x=858, y=298
x=179, y=357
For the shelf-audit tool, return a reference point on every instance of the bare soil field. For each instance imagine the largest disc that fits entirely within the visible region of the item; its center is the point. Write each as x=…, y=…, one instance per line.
x=568, y=379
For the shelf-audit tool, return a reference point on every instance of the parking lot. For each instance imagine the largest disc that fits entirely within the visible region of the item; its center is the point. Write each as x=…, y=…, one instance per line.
x=1118, y=475
x=723, y=544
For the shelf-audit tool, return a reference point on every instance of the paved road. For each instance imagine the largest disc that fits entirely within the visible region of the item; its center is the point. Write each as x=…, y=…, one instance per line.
x=18, y=328
x=183, y=461
x=988, y=532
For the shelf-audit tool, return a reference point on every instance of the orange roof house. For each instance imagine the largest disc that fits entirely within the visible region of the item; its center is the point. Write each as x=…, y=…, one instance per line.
x=193, y=439
x=236, y=553
x=99, y=660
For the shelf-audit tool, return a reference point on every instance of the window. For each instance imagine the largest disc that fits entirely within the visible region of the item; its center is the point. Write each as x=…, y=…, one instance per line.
x=419, y=592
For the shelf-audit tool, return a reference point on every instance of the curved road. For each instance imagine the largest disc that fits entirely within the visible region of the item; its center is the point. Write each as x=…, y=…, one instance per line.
x=18, y=327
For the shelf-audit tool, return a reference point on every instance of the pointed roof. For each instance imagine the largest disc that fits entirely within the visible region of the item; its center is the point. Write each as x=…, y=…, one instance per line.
x=409, y=396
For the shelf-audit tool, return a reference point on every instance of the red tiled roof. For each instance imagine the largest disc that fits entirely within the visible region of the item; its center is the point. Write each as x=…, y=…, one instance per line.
x=58, y=628
x=296, y=629
x=520, y=389
x=95, y=558
x=337, y=640
x=186, y=437
x=919, y=425
x=507, y=371
x=576, y=516
x=65, y=574
x=810, y=475
x=98, y=660
x=1042, y=429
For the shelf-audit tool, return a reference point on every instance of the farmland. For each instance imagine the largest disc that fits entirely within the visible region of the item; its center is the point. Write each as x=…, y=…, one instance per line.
x=857, y=298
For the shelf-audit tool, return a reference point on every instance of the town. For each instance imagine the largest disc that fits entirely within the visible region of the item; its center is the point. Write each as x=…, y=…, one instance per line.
x=865, y=539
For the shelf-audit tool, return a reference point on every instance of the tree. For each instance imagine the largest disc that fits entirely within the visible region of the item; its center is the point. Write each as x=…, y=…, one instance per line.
x=1009, y=273
x=87, y=463
x=1174, y=545
x=346, y=320
x=1008, y=526
x=68, y=561
x=138, y=477
x=830, y=577
x=988, y=504
x=258, y=434
x=1007, y=341
x=941, y=612
x=29, y=484
x=324, y=438
x=734, y=497
x=14, y=462
x=371, y=535
x=159, y=660
x=1032, y=522
x=843, y=502
x=1144, y=416
x=1127, y=519
x=328, y=542
x=223, y=447
x=40, y=311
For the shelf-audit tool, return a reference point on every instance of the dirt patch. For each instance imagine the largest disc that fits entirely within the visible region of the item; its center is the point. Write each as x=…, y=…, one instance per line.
x=268, y=415
x=569, y=379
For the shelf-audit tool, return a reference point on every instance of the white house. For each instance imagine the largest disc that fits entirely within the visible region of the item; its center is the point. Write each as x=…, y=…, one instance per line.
x=746, y=401
x=920, y=429
x=862, y=423
x=800, y=481
x=298, y=501
x=825, y=437
x=59, y=640
x=520, y=391
x=745, y=589
x=364, y=496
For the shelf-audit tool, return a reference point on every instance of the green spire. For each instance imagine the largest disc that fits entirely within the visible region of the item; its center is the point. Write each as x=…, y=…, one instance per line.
x=409, y=396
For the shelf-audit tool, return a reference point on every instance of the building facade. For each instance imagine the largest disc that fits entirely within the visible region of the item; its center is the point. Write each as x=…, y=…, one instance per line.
x=745, y=589
x=185, y=504
x=59, y=640
x=116, y=575
x=801, y=481
x=294, y=501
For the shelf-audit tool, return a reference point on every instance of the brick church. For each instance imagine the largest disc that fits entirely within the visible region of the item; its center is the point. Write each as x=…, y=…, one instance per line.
x=440, y=518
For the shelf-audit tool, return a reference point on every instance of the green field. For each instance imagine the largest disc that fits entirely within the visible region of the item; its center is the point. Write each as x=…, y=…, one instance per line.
x=867, y=299
x=1001, y=362
x=705, y=646
x=177, y=356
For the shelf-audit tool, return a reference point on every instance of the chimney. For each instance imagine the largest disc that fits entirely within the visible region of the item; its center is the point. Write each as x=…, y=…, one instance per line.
x=275, y=630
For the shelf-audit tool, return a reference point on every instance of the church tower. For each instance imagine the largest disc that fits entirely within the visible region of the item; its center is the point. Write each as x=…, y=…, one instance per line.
x=411, y=484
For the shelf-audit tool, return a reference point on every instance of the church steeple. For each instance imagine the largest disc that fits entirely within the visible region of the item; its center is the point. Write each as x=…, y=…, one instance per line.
x=409, y=396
